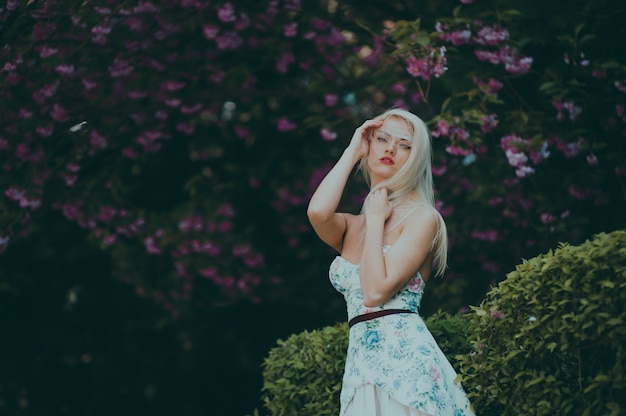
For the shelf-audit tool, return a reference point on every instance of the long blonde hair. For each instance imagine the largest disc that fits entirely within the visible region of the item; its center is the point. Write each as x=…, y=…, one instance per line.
x=414, y=181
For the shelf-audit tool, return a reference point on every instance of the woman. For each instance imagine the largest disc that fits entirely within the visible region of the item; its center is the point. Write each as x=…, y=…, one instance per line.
x=393, y=366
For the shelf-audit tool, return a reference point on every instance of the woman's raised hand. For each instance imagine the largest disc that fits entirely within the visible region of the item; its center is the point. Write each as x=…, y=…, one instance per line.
x=377, y=205
x=359, y=144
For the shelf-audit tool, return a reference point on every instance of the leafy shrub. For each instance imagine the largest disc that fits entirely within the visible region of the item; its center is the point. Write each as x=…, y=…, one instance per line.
x=302, y=375
x=550, y=338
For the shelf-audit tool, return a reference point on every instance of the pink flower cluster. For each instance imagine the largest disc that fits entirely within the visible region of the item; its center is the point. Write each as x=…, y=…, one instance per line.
x=514, y=147
x=459, y=137
x=432, y=64
x=513, y=62
x=490, y=87
x=572, y=110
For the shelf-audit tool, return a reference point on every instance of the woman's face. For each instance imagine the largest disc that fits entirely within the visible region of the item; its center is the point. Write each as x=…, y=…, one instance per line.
x=390, y=147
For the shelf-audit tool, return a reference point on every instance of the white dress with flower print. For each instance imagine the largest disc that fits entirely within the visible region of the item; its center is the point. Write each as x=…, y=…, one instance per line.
x=395, y=355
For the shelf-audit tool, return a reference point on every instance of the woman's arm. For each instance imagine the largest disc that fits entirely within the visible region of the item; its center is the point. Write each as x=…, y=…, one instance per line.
x=329, y=225
x=382, y=276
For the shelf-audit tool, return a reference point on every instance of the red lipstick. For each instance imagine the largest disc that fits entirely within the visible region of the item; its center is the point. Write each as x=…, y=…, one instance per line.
x=387, y=160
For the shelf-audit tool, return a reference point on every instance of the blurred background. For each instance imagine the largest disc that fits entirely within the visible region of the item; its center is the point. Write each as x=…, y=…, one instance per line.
x=158, y=157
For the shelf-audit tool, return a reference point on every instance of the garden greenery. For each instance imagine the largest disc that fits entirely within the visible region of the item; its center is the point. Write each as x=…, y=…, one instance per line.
x=302, y=375
x=550, y=339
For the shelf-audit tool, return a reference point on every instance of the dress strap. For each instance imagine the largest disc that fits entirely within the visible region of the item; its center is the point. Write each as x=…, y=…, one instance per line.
x=401, y=219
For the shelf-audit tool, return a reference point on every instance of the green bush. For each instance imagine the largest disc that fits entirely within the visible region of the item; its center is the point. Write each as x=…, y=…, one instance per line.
x=550, y=339
x=302, y=375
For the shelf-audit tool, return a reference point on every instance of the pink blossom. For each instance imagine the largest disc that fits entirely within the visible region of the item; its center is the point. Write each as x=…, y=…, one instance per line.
x=241, y=131
x=97, y=141
x=14, y=194
x=58, y=113
x=496, y=314
x=145, y=7
x=24, y=114
x=620, y=85
x=191, y=109
x=328, y=135
x=137, y=95
x=286, y=59
x=458, y=37
x=399, y=88
x=592, y=160
x=330, y=100
x=44, y=131
x=539, y=155
x=172, y=86
x=151, y=246
x=523, y=171
x=217, y=77
x=46, y=51
x=487, y=235
x=569, y=149
x=488, y=122
x=547, y=218
x=209, y=272
x=243, y=22
x=290, y=29
x=226, y=13
x=578, y=193
x=439, y=170
x=88, y=84
x=72, y=167
x=210, y=31
x=490, y=36
x=228, y=41
x=120, y=68
x=129, y=153
x=458, y=151
x=443, y=129
x=186, y=128
x=284, y=125
x=43, y=30
x=101, y=30
x=467, y=1
x=70, y=179
x=173, y=102
x=483, y=55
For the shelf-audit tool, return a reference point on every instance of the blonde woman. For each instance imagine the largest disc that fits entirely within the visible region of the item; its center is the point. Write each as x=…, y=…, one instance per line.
x=387, y=253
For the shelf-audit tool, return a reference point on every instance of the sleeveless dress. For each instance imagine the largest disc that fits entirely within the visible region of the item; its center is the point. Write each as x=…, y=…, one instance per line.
x=394, y=365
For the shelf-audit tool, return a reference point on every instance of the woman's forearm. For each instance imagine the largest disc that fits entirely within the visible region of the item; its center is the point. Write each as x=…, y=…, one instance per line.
x=373, y=271
x=327, y=196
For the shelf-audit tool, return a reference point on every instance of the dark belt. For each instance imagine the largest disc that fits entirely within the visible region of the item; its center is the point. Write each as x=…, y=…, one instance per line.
x=374, y=315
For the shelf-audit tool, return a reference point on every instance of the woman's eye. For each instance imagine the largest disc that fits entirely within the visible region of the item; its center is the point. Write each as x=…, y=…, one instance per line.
x=405, y=146
x=381, y=138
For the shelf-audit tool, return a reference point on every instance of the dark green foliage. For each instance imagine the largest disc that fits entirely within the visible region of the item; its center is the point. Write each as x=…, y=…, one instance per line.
x=549, y=340
x=302, y=376
x=303, y=373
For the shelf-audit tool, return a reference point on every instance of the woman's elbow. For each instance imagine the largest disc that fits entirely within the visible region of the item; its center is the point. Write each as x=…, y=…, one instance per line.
x=316, y=215
x=373, y=300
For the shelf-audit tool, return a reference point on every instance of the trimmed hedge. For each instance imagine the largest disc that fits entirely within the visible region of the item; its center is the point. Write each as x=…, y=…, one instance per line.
x=550, y=339
x=302, y=375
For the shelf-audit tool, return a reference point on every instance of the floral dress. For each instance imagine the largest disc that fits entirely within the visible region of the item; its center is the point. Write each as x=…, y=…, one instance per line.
x=395, y=355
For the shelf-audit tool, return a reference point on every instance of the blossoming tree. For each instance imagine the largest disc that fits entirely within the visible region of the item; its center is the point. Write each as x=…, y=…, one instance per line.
x=186, y=135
